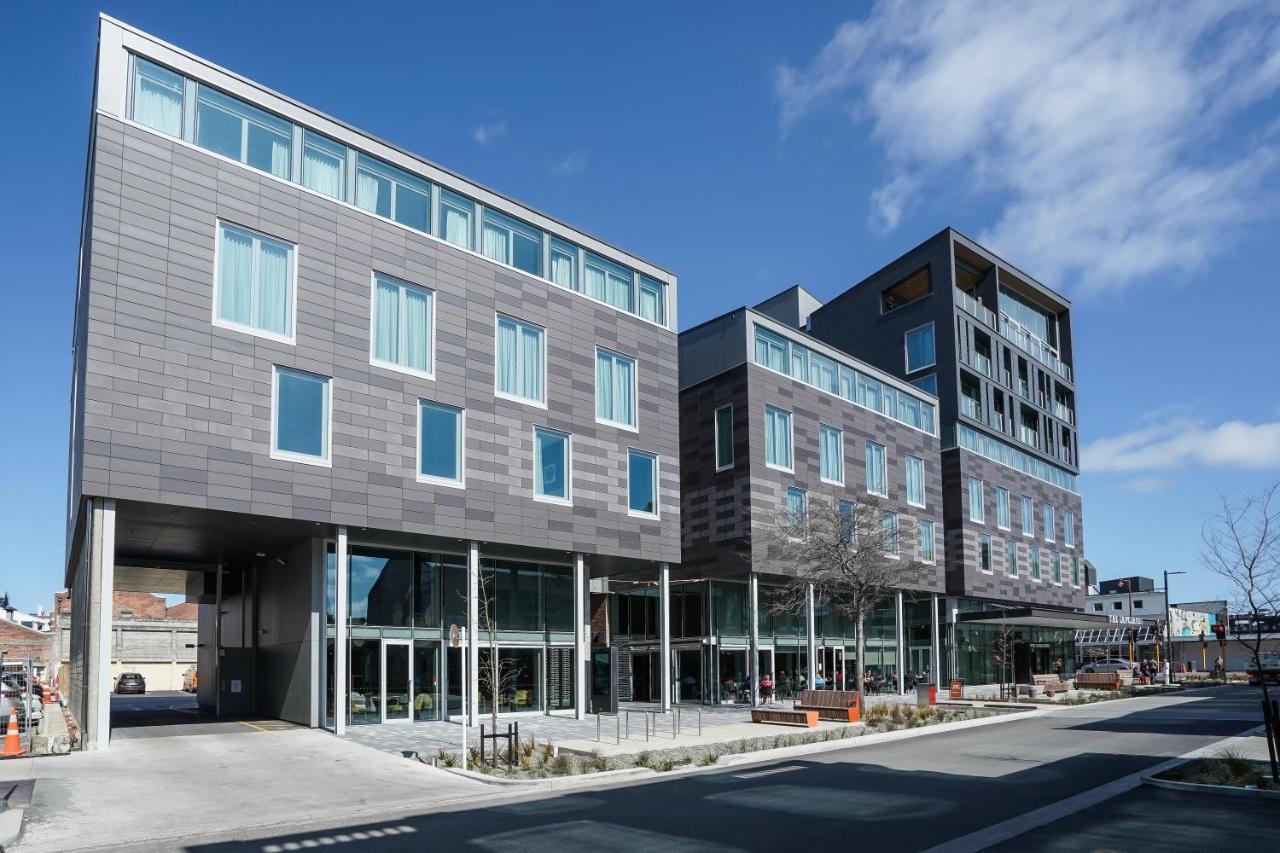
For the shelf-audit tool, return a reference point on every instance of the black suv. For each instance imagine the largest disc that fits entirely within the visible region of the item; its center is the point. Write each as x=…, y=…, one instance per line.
x=131, y=682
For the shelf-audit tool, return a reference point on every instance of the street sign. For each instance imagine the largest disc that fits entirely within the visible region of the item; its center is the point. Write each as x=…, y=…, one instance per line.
x=455, y=636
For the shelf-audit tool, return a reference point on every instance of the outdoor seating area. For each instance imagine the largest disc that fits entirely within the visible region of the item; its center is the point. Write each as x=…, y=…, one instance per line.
x=781, y=716
x=837, y=705
x=1050, y=684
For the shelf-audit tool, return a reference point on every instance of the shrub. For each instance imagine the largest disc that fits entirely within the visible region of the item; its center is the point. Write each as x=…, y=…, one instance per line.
x=644, y=759
x=709, y=759
x=448, y=759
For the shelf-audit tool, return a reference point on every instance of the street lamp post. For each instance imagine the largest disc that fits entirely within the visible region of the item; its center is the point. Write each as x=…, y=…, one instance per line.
x=1168, y=621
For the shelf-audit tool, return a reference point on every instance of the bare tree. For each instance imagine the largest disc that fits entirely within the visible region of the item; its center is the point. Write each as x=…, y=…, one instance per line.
x=850, y=553
x=497, y=677
x=1002, y=655
x=1242, y=546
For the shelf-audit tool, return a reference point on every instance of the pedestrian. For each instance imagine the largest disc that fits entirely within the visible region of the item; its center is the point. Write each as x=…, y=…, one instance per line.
x=766, y=689
x=1164, y=673
x=1218, y=667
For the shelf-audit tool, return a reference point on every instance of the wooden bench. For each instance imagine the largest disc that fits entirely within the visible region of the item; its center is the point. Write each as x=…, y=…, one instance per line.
x=778, y=716
x=1099, y=680
x=1050, y=684
x=843, y=706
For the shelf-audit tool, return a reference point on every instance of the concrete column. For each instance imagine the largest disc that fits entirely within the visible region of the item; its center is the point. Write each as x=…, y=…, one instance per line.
x=664, y=632
x=217, y=641
x=316, y=631
x=341, y=616
x=936, y=639
x=581, y=634
x=753, y=613
x=811, y=636
x=473, y=631
x=100, y=588
x=902, y=648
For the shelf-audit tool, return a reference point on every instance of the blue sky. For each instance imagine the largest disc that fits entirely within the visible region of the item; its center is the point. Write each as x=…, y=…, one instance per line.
x=1125, y=155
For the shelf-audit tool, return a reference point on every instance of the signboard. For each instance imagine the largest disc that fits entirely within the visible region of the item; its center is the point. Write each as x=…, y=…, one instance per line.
x=956, y=688
x=1189, y=623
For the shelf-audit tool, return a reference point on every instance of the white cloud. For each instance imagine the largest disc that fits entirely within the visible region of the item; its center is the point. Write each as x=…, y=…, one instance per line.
x=1117, y=134
x=487, y=134
x=1147, y=485
x=1179, y=442
x=571, y=164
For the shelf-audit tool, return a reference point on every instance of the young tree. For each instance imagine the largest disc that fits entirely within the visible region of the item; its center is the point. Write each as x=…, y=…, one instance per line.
x=850, y=554
x=496, y=677
x=1002, y=655
x=1242, y=546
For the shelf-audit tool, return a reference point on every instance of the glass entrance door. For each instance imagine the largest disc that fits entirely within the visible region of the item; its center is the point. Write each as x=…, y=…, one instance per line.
x=453, y=678
x=426, y=680
x=397, y=681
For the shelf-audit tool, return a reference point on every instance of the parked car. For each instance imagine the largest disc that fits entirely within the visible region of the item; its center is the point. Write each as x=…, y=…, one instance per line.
x=17, y=682
x=189, y=680
x=131, y=682
x=11, y=700
x=1270, y=669
x=1108, y=665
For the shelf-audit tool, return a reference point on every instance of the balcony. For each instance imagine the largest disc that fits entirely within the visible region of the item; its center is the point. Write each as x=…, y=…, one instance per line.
x=1061, y=411
x=1028, y=435
x=977, y=309
x=980, y=363
x=1037, y=348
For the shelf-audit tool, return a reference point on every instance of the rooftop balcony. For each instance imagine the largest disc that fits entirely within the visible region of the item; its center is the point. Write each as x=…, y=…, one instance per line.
x=1016, y=333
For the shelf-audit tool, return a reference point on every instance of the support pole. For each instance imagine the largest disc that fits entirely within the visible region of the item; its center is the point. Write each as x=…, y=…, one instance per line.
x=664, y=632
x=473, y=632
x=341, y=617
x=936, y=639
x=582, y=634
x=217, y=642
x=811, y=637
x=753, y=613
x=100, y=586
x=902, y=648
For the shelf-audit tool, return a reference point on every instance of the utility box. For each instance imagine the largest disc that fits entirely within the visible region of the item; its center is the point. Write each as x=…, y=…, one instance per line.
x=604, y=680
x=926, y=693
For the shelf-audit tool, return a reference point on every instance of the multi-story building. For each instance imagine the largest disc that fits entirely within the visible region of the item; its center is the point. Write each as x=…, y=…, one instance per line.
x=336, y=391
x=994, y=345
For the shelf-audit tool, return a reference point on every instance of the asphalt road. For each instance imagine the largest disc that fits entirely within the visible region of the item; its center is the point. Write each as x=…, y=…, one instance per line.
x=164, y=714
x=907, y=795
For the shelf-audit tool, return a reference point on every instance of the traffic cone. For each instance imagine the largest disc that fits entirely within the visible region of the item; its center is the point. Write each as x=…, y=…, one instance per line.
x=12, y=743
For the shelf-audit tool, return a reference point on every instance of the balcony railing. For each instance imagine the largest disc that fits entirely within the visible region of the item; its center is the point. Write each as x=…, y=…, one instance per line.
x=980, y=363
x=1061, y=410
x=1038, y=349
x=970, y=407
x=977, y=309
x=1027, y=435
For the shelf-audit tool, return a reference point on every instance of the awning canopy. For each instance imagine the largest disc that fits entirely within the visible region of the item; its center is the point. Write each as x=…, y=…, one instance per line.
x=1035, y=617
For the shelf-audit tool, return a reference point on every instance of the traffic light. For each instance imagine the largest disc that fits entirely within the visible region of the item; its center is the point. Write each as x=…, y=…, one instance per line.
x=1219, y=631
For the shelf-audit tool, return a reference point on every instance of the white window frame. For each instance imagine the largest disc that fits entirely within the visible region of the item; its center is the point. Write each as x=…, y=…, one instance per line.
x=978, y=509
x=657, y=483
x=839, y=458
x=923, y=490
x=1055, y=567
x=432, y=479
x=289, y=339
x=716, y=447
x=926, y=524
x=1035, y=570
x=906, y=356
x=431, y=331
x=515, y=398
x=991, y=557
x=325, y=461
x=1050, y=515
x=1075, y=571
x=1011, y=544
x=791, y=441
x=568, y=468
x=793, y=523
x=1027, y=519
x=1068, y=527
x=884, y=469
x=1008, y=513
x=635, y=389
x=896, y=540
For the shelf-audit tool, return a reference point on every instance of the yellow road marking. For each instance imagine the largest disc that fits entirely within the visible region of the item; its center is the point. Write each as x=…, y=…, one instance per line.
x=251, y=725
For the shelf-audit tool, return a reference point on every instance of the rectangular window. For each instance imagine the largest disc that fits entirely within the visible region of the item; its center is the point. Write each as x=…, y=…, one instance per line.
x=393, y=193
x=976, y=511
x=771, y=350
x=926, y=542
x=1075, y=571
x=564, y=264
x=551, y=465
x=234, y=129
x=610, y=283
x=920, y=349
x=777, y=438
x=1048, y=523
x=1068, y=528
x=324, y=165
x=927, y=383
x=824, y=374
x=1055, y=567
x=724, y=438
x=889, y=532
x=1028, y=516
x=642, y=483
x=1035, y=562
x=1002, y=508
x=300, y=416
x=653, y=300
x=984, y=553
x=877, y=473
x=401, y=325
x=520, y=361
x=797, y=505
x=439, y=443
x=157, y=97
x=915, y=481
x=456, y=215
x=255, y=283
x=847, y=524
x=831, y=454
x=1011, y=558
x=510, y=242
x=615, y=388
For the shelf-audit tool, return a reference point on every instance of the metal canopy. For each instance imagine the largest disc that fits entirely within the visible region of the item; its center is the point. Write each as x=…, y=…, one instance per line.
x=1035, y=617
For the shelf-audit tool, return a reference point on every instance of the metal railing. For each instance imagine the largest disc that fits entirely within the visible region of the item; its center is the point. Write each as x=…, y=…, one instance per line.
x=1063, y=412
x=977, y=309
x=970, y=407
x=980, y=362
x=1038, y=349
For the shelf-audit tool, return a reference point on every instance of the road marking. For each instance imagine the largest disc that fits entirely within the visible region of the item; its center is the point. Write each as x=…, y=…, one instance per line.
x=251, y=725
x=758, y=773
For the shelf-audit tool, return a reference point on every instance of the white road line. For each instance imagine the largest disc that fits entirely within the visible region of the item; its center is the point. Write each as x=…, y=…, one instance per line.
x=758, y=773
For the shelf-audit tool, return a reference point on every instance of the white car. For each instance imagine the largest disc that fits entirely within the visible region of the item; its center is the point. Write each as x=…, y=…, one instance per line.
x=1109, y=665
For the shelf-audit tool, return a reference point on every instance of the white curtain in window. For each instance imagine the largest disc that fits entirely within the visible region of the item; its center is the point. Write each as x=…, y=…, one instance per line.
x=604, y=386
x=457, y=227
x=367, y=188
x=620, y=292
x=507, y=356
x=158, y=105
x=595, y=282
x=386, y=322
x=875, y=468
x=495, y=244
x=235, y=277
x=915, y=480
x=562, y=270
x=777, y=438
x=417, y=329
x=531, y=363
x=829, y=448
x=280, y=160
x=273, y=288
x=624, y=410
x=322, y=172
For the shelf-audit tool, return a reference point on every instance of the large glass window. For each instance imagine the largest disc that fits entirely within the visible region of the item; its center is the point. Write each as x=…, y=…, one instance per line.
x=831, y=454
x=1068, y=528
x=456, y=215
x=889, y=526
x=324, y=165
x=426, y=680
x=984, y=553
x=1002, y=508
x=157, y=97
x=1028, y=516
x=927, y=383
x=551, y=464
x=797, y=506
x=642, y=482
x=653, y=300
x=1035, y=562
x=230, y=127
x=615, y=388
x=381, y=587
x=1055, y=566
x=920, y=349
x=1011, y=558
x=1049, y=532
x=564, y=264
x=364, y=690
x=254, y=282
x=439, y=443
x=557, y=598
x=729, y=609
x=977, y=513
x=915, y=481
x=393, y=193
x=300, y=422
x=724, y=438
x=1075, y=571
x=520, y=371
x=877, y=470
x=610, y=283
x=927, y=542
x=777, y=438
x=771, y=350
x=402, y=324
x=512, y=242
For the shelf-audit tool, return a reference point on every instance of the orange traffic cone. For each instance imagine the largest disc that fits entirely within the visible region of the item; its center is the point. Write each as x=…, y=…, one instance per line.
x=12, y=743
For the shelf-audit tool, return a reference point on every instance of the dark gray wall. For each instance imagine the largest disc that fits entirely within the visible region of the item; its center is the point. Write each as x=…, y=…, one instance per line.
x=283, y=677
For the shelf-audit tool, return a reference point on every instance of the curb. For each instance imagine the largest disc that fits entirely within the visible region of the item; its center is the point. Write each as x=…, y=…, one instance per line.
x=555, y=782
x=1222, y=790
x=10, y=826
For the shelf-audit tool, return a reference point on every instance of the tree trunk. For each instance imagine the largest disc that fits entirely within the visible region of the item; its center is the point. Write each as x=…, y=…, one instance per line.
x=862, y=656
x=1272, y=733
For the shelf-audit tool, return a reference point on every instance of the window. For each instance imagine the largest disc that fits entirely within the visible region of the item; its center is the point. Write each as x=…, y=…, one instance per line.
x=771, y=350
x=157, y=97
x=232, y=128
x=324, y=165
x=1002, y=508
x=984, y=553
x=254, y=283
x=653, y=301
x=877, y=475
x=1117, y=605
x=831, y=454
x=1075, y=571
x=724, y=438
x=889, y=528
x=1137, y=603
x=520, y=370
x=300, y=416
x=402, y=323
x=926, y=542
x=927, y=383
x=456, y=215
x=1011, y=558
x=642, y=479
x=1097, y=608
x=777, y=438
x=439, y=444
x=610, y=283
x=915, y=481
x=564, y=264
x=797, y=505
x=976, y=512
x=1028, y=516
x=1035, y=562
x=551, y=475
x=919, y=347
x=911, y=288
x=1048, y=523
x=393, y=193
x=848, y=533
x=615, y=388
x=1055, y=567
x=823, y=374
x=1068, y=528
x=510, y=242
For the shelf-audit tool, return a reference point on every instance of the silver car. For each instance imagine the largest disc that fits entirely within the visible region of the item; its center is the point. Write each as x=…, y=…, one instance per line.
x=1109, y=665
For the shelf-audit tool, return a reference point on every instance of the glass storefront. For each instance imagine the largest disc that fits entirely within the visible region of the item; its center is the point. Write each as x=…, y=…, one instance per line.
x=426, y=680
x=970, y=648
